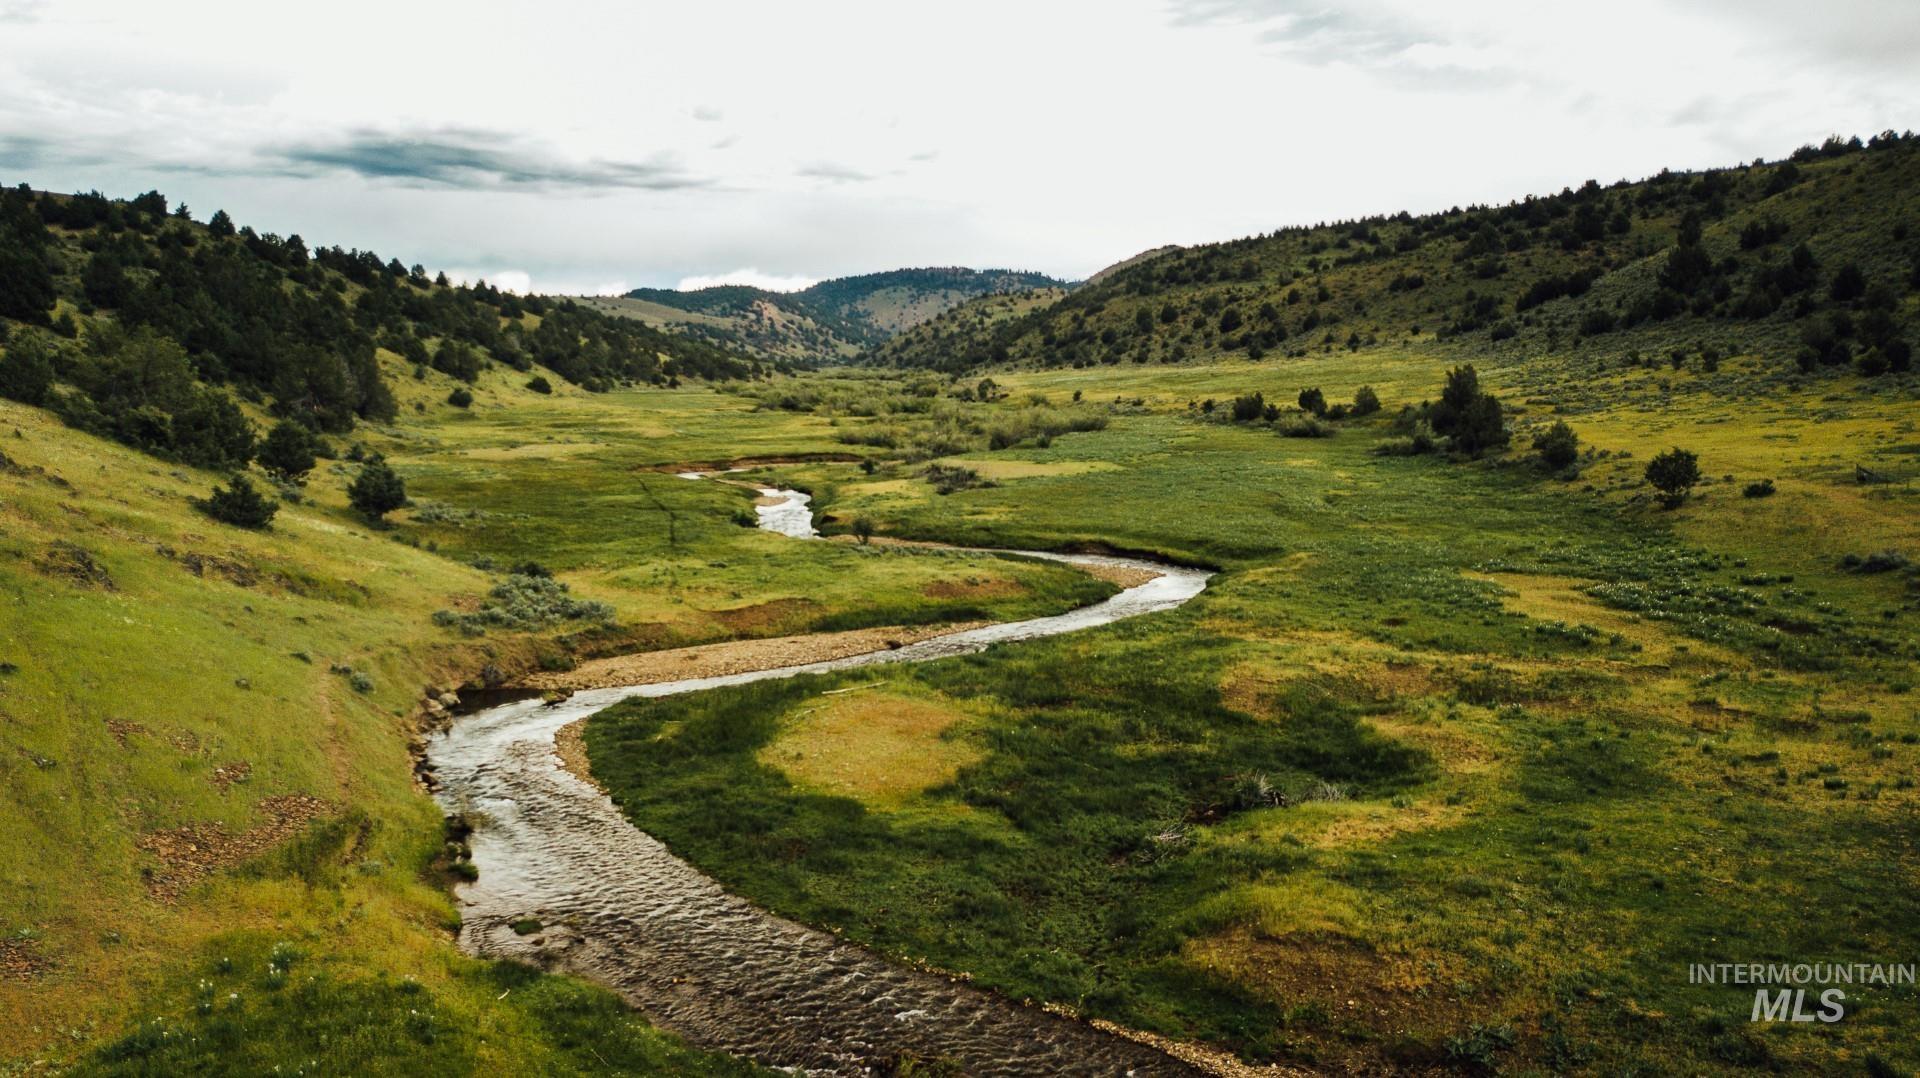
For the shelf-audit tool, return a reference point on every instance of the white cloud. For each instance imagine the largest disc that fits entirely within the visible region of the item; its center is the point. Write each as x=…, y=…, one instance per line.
x=669, y=140
x=516, y=281
x=769, y=281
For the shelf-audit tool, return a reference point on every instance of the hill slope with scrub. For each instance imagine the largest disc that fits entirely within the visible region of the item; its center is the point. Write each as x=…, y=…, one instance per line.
x=1813, y=261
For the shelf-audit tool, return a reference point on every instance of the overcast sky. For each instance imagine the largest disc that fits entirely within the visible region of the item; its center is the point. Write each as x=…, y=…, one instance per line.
x=572, y=146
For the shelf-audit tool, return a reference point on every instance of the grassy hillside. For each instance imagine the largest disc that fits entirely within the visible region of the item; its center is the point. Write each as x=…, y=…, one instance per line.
x=832, y=320
x=1810, y=261
x=973, y=320
x=205, y=730
x=752, y=323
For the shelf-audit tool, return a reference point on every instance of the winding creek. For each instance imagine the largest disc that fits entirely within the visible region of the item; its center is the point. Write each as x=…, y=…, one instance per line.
x=620, y=909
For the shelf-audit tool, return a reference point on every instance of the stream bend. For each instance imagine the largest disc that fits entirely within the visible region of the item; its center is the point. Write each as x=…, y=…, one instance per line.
x=620, y=909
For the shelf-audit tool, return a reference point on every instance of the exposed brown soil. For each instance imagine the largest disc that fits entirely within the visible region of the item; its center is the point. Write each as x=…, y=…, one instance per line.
x=1120, y=576
x=971, y=589
x=754, y=462
x=188, y=854
x=8, y=466
x=122, y=729
x=227, y=775
x=21, y=960
x=762, y=618
x=237, y=571
x=731, y=657
x=887, y=540
x=70, y=562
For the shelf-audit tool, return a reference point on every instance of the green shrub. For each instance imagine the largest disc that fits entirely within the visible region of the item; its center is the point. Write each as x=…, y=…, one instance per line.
x=1471, y=418
x=1303, y=426
x=1674, y=474
x=239, y=505
x=524, y=601
x=1558, y=445
x=287, y=452
x=949, y=478
x=26, y=368
x=377, y=491
x=1885, y=561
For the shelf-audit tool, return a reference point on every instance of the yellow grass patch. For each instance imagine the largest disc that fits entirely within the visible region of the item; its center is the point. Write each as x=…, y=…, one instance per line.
x=1559, y=598
x=876, y=746
x=1294, y=904
x=972, y=587
x=1003, y=469
x=544, y=450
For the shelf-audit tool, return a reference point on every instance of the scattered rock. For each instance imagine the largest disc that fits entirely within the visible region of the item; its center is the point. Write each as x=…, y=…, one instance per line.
x=8, y=466
x=21, y=960
x=226, y=775
x=122, y=729
x=234, y=570
x=188, y=854
x=569, y=743
x=72, y=563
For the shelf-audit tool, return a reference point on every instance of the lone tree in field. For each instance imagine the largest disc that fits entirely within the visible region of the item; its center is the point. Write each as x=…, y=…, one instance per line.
x=1674, y=474
x=287, y=453
x=1471, y=418
x=377, y=491
x=1558, y=445
x=1365, y=401
x=239, y=505
x=1312, y=400
x=863, y=529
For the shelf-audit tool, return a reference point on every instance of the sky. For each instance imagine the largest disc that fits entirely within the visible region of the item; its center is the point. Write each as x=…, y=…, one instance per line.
x=570, y=147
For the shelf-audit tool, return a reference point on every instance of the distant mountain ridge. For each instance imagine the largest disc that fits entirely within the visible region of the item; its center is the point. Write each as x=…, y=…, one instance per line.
x=835, y=319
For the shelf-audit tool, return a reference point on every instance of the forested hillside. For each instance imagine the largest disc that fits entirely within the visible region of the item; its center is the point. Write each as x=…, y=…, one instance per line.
x=1812, y=261
x=834, y=319
x=131, y=320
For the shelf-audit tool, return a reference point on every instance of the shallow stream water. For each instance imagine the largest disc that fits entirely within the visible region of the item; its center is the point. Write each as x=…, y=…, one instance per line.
x=620, y=909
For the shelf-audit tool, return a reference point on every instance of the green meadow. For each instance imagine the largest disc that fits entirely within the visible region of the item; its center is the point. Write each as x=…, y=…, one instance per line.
x=1454, y=766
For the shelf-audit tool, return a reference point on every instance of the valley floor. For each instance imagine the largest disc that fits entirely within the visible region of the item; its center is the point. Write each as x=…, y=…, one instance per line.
x=1455, y=766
